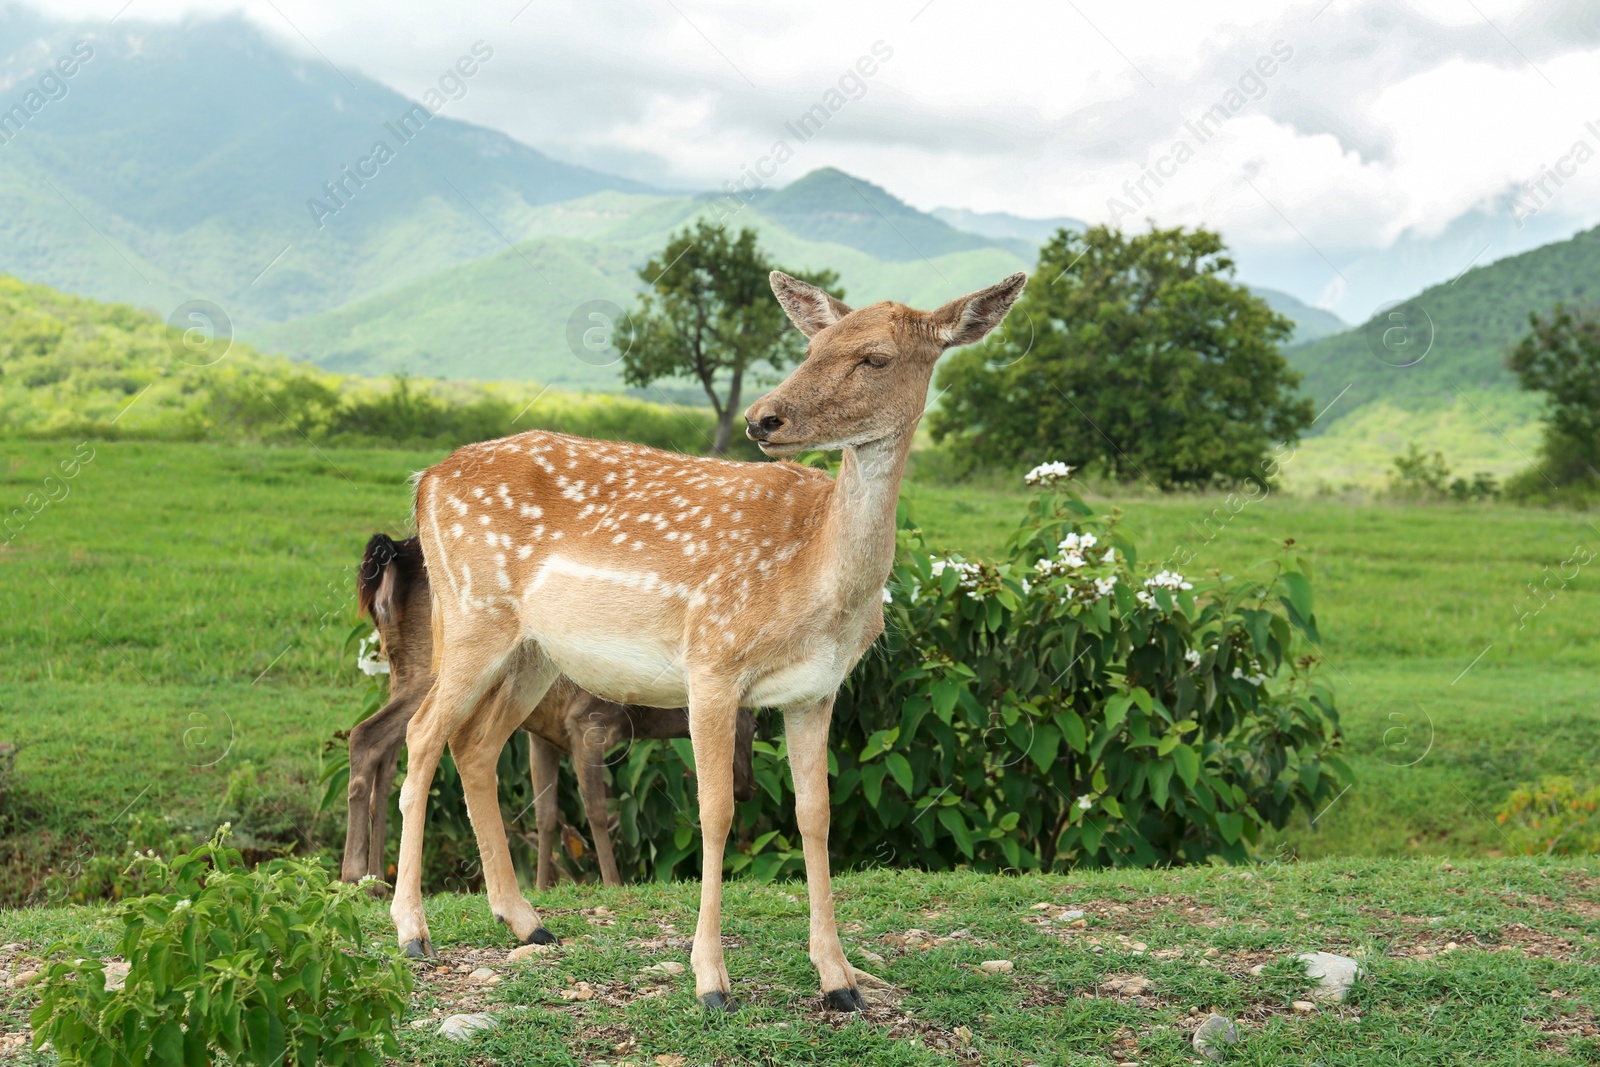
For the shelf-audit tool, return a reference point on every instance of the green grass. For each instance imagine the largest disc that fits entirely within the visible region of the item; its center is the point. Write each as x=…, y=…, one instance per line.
x=1519, y=987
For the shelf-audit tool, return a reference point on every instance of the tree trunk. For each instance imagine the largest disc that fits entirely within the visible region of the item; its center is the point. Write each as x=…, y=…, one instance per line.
x=725, y=416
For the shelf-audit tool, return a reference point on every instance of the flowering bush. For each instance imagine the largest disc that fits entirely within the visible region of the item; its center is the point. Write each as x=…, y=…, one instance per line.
x=1555, y=817
x=1063, y=706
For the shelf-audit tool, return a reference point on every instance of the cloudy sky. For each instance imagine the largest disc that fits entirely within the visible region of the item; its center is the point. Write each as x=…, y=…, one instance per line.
x=1342, y=128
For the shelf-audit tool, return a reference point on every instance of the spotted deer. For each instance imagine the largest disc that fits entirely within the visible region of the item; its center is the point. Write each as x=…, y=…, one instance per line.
x=656, y=578
x=392, y=589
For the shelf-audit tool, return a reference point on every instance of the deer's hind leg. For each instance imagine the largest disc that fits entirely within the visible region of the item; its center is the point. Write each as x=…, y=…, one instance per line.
x=544, y=765
x=476, y=747
x=594, y=727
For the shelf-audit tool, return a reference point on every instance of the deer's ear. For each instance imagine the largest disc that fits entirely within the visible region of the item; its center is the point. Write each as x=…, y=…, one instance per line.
x=812, y=310
x=967, y=320
x=383, y=599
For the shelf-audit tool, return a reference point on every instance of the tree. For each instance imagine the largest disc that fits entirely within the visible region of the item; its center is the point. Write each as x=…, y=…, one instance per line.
x=709, y=315
x=1135, y=354
x=1560, y=357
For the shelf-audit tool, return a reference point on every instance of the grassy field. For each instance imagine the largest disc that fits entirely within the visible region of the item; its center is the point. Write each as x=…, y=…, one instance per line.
x=178, y=619
x=1489, y=963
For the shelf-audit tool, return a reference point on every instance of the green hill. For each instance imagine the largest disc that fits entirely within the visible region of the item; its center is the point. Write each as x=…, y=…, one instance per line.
x=1310, y=323
x=1455, y=336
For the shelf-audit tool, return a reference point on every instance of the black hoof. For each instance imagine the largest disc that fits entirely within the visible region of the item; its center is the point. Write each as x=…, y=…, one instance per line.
x=717, y=1001
x=845, y=1000
x=417, y=948
x=541, y=936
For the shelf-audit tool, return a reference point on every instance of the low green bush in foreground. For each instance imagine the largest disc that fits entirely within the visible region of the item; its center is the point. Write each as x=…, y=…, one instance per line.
x=266, y=966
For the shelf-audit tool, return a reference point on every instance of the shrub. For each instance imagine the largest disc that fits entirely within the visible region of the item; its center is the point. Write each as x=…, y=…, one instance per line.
x=1555, y=817
x=265, y=966
x=1418, y=475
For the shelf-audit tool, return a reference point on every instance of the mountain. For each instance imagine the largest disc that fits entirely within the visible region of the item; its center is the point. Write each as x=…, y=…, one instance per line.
x=203, y=159
x=1004, y=224
x=1452, y=338
x=1310, y=323
x=507, y=315
x=831, y=206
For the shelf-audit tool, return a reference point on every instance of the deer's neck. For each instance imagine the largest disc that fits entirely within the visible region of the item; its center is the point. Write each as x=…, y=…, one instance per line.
x=860, y=526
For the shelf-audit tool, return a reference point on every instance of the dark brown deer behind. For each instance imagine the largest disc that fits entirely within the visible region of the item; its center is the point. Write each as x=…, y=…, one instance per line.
x=393, y=590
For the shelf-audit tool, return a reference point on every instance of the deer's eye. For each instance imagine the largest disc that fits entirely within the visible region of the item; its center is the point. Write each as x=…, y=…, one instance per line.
x=876, y=362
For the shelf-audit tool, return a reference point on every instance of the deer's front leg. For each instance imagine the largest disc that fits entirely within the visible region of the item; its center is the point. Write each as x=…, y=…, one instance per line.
x=712, y=711
x=806, y=730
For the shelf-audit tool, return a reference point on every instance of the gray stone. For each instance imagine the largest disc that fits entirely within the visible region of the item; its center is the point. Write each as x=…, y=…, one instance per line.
x=463, y=1027
x=1334, y=974
x=1216, y=1031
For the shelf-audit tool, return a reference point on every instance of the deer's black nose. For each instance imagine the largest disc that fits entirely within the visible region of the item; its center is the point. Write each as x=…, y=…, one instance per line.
x=760, y=429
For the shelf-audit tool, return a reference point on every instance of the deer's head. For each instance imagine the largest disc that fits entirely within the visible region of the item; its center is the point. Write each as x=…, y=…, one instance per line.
x=866, y=372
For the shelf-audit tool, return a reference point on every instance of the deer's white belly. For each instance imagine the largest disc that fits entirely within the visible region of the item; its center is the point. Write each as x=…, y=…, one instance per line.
x=805, y=681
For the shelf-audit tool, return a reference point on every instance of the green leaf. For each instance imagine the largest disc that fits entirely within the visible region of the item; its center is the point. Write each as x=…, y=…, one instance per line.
x=1187, y=763
x=900, y=767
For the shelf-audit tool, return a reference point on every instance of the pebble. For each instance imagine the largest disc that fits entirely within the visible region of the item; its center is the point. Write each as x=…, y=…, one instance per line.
x=1128, y=987
x=522, y=952
x=869, y=955
x=1334, y=974
x=1217, y=1030
x=996, y=966
x=1070, y=915
x=485, y=976
x=22, y=978
x=1304, y=1006
x=462, y=1027
x=117, y=973
x=1259, y=969
x=668, y=967
x=581, y=991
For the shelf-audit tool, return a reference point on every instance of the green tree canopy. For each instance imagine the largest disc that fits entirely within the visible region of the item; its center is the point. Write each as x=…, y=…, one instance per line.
x=709, y=316
x=1135, y=354
x=1560, y=357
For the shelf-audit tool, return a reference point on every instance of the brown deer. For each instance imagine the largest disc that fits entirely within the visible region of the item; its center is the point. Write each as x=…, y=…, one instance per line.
x=392, y=590
x=663, y=579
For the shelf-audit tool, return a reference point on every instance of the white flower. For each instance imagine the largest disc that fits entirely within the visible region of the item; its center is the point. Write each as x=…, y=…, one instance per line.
x=1145, y=598
x=1072, y=559
x=182, y=904
x=1103, y=586
x=1085, y=802
x=1255, y=677
x=969, y=572
x=1110, y=556
x=1191, y=655
x=1169, y=579
x=370, y=659
x=1047, y=474
x=887, y=599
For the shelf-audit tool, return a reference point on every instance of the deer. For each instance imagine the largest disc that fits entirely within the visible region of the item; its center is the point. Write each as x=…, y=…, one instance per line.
x=392, y=589
x=657, y=578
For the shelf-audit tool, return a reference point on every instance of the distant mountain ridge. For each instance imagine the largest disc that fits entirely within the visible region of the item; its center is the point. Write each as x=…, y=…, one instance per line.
x=164, y=193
